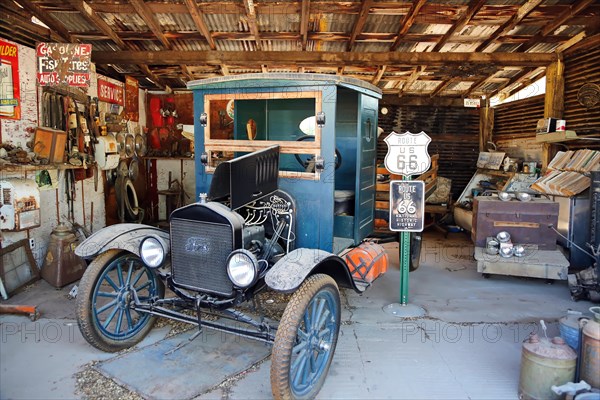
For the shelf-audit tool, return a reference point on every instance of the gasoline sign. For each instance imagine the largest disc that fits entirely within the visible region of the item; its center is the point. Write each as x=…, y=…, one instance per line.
x=407, y=206
x=407, y=153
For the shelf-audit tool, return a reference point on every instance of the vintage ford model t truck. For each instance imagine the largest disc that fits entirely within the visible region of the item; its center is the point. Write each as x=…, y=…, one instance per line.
x=285, y=182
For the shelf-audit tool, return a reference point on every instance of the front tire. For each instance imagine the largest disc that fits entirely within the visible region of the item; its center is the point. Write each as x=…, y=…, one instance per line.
x=104, y=315
x=306, y=339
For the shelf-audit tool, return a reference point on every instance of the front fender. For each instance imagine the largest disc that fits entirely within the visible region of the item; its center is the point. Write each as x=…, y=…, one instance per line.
x=288, y=273
x=121, y=236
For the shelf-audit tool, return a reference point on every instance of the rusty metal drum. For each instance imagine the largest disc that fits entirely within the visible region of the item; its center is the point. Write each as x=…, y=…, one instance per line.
x=590, y=351
x=545, y=363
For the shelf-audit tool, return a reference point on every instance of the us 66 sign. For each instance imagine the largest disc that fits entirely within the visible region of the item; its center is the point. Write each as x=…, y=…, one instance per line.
x=407, y=206
x=407, y=153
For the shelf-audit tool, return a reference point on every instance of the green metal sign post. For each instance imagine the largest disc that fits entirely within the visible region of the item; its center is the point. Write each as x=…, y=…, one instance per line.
x=404, y=248
x=407, y=155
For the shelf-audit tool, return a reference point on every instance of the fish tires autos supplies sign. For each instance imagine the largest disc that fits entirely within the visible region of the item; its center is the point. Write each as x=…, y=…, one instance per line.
x=63, y=64
x=110, y=92
x=407, y=206
x=9, y=81
x=407, y=153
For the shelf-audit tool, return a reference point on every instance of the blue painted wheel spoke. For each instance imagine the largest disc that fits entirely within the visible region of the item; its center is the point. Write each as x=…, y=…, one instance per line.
x=129, y=272
x=145, y=285
x=299, y=347
x=106, y=294
x=119, y=321
x=129, y=319
x=137, y=277
x=110, y=317
x=323, y=319
x=302, y=335
x=319, y=314
x=307, y=322
x=323, y=333
x=106, y=306
x=111, y=282
x=120, y=274
x=299, y=377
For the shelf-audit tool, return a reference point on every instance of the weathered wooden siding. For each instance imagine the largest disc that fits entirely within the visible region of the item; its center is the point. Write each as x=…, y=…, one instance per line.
x=454, y=132
x=518, y=119
x=580, y=69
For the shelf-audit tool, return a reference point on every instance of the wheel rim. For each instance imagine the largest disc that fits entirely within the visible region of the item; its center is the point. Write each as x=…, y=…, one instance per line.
x=112, y=297
x=314, y=343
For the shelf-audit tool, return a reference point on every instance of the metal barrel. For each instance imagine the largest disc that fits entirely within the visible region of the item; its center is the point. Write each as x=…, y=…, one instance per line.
x=590, y=354
x=545, y=363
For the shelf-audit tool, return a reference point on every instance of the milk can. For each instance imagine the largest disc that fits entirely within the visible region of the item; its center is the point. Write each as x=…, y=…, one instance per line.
x=590, y=351
x=545, y=363
x=61, y=265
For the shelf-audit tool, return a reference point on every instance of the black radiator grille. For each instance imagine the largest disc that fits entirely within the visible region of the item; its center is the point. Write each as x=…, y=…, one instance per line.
x=199, y=252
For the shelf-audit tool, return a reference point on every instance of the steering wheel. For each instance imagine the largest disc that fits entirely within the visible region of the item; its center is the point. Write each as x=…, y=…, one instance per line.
x=305, y=163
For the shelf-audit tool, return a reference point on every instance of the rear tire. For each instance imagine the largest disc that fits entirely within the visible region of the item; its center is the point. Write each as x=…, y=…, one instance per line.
x=306, y=339
x=104, y=315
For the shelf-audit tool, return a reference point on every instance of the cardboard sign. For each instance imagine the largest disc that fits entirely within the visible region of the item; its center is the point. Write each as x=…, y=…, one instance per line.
x=109, y=92
x=10, y=106
x=63, y=64
x=407, y=206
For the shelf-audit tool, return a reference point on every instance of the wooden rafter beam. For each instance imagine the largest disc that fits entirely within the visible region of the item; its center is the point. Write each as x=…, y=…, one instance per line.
x=46, y=18
x=91, y=16
x=379, y=74
x=441, y=87
x=509, y=25
x=591, y=41
x=198, y=19
x=373, y=37
x=360, y=23
x=95, y=20
x=407, y=22
x=512, y=81
x=414, y=76
x=224, y=70
x=571, y=42
x=252, y=22
x=474, y=86
x=320, y=58
x=144, y=12
x=305, y=19
x=573, y=10
x=474, y=7
x=13, y=18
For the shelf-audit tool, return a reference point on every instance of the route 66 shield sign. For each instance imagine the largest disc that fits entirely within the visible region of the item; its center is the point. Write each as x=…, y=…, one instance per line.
x=407, y=153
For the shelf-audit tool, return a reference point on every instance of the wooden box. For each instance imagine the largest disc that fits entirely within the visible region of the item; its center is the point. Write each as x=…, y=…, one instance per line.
x=527, y=221
x=50, y=143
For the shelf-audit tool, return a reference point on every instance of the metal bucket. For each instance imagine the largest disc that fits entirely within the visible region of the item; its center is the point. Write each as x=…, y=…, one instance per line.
x=590, y=354
x=569, y=330
x=545, y=363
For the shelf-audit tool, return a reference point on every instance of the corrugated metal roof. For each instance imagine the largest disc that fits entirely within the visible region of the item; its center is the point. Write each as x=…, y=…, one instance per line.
x=73, y=21
x=176, y=22
x=125, y=21
x=382, y=23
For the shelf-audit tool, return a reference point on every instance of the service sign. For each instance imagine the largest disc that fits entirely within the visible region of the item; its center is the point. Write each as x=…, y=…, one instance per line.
x=10, y=106
x=110, y=92
x=407, y=206
x=407, y=153
x=63, y=64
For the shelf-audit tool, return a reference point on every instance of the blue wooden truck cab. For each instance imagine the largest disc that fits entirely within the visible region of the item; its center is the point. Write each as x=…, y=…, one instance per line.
x=245, y=113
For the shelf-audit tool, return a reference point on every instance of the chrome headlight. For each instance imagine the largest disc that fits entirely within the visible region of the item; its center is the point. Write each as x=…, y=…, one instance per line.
x=152, y=251
x=242, y=268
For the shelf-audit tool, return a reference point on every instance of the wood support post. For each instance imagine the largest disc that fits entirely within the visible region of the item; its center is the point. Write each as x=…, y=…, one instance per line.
x=486, y=124
x=554, y=104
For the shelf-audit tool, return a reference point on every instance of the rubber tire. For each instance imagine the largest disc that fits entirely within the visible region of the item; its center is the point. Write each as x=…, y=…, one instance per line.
x=286, y=336
x=416, y=241
x=84, y=306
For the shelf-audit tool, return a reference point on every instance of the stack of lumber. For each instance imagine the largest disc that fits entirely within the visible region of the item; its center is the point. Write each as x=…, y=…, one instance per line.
x=567, y=173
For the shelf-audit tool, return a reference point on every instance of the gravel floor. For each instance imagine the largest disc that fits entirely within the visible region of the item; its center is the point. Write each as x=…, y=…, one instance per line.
x=92, y=385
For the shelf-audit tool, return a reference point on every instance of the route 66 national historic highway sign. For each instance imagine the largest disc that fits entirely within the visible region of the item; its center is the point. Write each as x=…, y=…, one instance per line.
x=407, y=153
